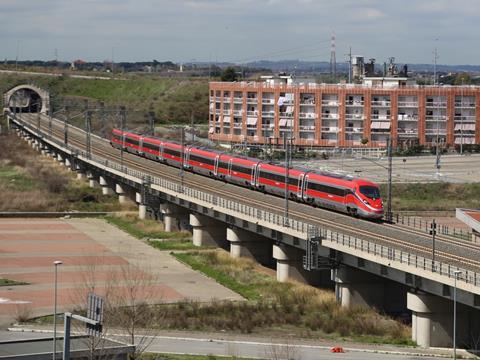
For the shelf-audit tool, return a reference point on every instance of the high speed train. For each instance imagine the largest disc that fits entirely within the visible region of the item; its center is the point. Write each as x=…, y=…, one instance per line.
x=356, y=197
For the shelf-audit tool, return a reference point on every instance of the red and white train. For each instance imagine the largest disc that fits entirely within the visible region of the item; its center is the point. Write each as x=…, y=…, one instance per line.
x=356, y=197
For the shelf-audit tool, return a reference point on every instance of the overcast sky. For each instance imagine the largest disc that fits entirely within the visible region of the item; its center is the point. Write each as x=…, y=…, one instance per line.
x=240, y=30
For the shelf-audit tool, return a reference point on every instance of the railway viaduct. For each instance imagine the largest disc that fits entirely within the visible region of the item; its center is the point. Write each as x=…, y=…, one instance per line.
x=364, y=271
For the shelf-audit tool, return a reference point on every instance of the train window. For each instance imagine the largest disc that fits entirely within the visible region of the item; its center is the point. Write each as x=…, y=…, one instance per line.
x=272, y=176
x=201, y=159
x=241, y=169
x=326, y=189
x=370, y=192
x=131, y=141
x=171, y=152
x=223, y=164
x=117, y=137
x=151, y=146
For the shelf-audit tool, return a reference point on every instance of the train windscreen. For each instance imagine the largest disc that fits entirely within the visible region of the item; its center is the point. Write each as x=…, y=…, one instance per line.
x=371, y=192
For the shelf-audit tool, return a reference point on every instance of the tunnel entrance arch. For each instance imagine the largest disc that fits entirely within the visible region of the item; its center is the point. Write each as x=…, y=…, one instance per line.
x=27, y=98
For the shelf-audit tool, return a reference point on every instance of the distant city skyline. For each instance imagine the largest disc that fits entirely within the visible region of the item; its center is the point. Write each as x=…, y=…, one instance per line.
x=239, y=30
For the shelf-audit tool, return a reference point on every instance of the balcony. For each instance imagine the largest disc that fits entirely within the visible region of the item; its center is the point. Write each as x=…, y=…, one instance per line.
x=252, y=100
x=435, y=131
x=329, y=116
x=408, y=104
x=467, y=119
x=268, y=101
x=354, y=103
x=436, y=104
x=381, y=117
x=436, y=118
x=238, y=100
x=268, y=114
x=406, y=117
x=226, y=99
x=406, y=132
x=330, y=129
x=354, y=130
x=310, y=102
x=285, y=114
x=465, y=105
x=237, y=112
x=382, y=103
x=308, y=115
x=252, y=113
x=226, y=112
x=237, y=125
x=354, y=117
x=330, y=103
x=307, y=128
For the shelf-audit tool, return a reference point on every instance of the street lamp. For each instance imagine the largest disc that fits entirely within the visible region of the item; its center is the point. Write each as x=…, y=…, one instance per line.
x=456, y=273
x=56, y=263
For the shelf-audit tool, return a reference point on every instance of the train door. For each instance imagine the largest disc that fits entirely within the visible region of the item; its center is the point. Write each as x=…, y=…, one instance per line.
x=160, y=151
x=229, y=174
x=253, y=174
x=215, y=166
x=257, y=174
x=186, y=157
x=300, y=185
x=140, y=145
x=305, y=187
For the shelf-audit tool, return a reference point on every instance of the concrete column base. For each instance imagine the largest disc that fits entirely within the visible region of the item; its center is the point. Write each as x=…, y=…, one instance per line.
x=81, y=175
x=138, y=198
x=207, y=231
x=248, y=244
x=93, y=183
x=175, y=218
x=107, y=191
x=122, y=199
x=59, y=158
x=354, y=287
x=67, y=162
x=142, y=212
x=290, y=266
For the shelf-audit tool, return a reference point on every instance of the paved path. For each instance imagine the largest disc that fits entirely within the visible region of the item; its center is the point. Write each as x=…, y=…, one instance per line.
x=94, y=253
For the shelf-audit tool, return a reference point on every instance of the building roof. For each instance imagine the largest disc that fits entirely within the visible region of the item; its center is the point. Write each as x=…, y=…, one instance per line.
x=469, y=217
x=40, y=349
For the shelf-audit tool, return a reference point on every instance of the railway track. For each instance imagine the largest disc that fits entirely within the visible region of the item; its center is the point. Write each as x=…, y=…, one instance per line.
x=105, y=150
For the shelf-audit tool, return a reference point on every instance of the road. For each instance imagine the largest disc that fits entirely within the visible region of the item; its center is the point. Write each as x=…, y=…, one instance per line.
x=249, y=347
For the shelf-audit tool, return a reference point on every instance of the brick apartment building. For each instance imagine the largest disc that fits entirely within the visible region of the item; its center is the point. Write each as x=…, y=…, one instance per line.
x=344, y=115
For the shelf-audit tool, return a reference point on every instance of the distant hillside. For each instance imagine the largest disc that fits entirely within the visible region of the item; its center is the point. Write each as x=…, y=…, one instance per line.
x=173, y=99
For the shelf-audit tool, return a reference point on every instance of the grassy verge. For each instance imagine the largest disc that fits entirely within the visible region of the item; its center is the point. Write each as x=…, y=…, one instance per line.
x=178, y=245
x=434, y=196
x=152, y=356
x=142, y=229
x=196, y=262
x=8, y=282
x=283, y=309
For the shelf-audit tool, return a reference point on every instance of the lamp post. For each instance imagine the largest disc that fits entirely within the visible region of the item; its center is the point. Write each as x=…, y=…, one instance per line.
x=56, y=263
x=456, y=273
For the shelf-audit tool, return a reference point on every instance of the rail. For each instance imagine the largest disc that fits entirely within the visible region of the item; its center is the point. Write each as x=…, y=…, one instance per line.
x=403, y=257
x=255, y=214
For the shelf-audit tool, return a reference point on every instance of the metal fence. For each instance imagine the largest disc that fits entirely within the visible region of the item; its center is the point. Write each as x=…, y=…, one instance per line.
x=425, y=225
x=403, y=257
x=307, y=230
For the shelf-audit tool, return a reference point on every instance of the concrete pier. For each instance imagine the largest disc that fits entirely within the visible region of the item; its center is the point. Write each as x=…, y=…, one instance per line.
x=122, y=198
x=207, y=231
x=245, y=243
x=174, y=217
x=106, y=189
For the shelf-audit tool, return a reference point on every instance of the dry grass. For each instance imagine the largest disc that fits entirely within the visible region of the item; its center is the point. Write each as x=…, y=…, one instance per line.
x=281, y=307
x=30, y=182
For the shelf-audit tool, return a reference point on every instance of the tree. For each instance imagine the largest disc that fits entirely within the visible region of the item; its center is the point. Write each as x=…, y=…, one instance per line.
x=463, y=79
x=229, y=74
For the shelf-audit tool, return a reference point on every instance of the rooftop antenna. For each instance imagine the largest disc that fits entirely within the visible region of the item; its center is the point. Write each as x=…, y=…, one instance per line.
x=333, y=60
x=435, y=58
